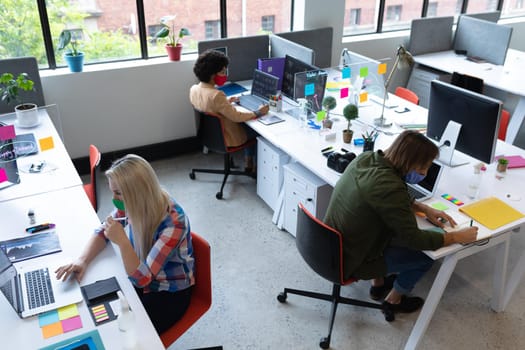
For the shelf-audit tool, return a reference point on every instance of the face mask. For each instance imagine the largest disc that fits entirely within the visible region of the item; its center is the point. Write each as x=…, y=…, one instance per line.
x=118, y=204
x=219, y=80
x=413, y=177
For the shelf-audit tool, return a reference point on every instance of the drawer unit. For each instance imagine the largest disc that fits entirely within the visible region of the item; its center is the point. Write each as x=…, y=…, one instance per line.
x=419, y=82
x=270, y=161
x=302, y=186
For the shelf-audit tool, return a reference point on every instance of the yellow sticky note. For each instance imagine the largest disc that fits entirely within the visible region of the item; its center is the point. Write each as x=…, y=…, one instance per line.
x=321, y=115
x=67, y=311
x=381, y=69
x=46, y=143
x=52, y=329
x=363, y=96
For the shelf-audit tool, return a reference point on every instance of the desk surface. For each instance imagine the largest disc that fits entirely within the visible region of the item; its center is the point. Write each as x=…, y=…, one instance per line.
x=74, y=226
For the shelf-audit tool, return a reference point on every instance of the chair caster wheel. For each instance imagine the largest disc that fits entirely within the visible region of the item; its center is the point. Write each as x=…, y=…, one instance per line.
x=192, y=176
x=218, y=195
x=389, y=315
x=324, y=343
x=281, y=297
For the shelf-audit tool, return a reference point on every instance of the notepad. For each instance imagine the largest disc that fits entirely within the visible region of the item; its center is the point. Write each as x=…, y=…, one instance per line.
x=491, y=212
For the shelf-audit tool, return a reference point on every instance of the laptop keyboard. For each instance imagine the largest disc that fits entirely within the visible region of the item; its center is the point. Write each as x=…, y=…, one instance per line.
x=39, y=290
x=415, y=193
x=250, y=102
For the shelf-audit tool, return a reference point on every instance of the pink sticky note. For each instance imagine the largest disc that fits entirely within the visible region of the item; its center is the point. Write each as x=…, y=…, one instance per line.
x=3, y=175
x=344, y=92
x=7, y=132
x=70, y=324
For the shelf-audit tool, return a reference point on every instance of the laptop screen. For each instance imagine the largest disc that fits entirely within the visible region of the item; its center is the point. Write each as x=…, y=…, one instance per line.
x=7, y=280
x=430, y=180
x=264, y=84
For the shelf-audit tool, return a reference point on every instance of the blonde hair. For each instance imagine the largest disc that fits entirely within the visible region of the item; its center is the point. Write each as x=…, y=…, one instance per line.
x=145, y=201
x=411, y=150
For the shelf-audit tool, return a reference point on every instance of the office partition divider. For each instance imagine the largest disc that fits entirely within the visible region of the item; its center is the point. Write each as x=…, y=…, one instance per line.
x=430, y=34
x=280, y=47
x=319, y=40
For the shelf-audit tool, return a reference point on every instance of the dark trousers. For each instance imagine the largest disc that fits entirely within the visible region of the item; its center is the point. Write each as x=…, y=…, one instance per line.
x=165, y=308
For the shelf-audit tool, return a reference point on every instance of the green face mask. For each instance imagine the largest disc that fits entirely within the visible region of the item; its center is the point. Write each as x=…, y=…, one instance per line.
x=118, y=204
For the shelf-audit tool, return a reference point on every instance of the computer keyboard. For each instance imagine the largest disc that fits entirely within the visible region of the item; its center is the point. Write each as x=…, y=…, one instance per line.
x=39, y=289
x=250, y=102
x=415, y=193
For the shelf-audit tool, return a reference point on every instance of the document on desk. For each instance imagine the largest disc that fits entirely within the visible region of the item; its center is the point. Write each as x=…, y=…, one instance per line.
x=491, y=212
x=270, y=119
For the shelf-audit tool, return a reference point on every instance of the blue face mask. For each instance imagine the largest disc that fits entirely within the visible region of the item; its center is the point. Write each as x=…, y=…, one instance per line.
x=413, y=177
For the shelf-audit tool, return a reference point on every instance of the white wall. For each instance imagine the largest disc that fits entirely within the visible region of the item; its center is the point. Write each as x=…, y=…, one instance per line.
x=130, y=104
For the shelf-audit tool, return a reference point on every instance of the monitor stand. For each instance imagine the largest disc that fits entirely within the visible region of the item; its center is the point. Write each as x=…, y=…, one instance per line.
x=447, y=146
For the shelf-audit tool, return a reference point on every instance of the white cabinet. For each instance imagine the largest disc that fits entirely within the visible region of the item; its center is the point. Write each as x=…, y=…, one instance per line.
x=302, y=186
x=270, y=161
x=419, y=82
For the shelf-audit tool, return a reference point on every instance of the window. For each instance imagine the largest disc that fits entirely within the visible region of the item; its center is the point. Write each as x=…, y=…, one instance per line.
x=513, y=8
x=243, y=17
x=482, y=6
x=355, y=17
x=393, y=13
x=267, y=23
x=365, y=20
x=399, y=14
x=212, y=29
x=432, y=9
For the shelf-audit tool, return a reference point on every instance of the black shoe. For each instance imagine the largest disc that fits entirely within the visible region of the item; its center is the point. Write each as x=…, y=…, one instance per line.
x=407, y=305
x=380, y=292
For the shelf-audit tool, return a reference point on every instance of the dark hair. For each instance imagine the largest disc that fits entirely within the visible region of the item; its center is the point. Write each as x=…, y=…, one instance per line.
x=209, y=62
x=411, y=150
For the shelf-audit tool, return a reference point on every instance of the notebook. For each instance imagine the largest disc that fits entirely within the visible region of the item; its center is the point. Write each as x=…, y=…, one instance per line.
x=491, y=212
x=33, y=290
x=428, y=186
x=263, y=86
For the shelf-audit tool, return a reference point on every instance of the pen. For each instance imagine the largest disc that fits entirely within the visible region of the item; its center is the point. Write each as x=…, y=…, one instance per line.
x=326, y=149
x=471, y=221
x=120, y=219
x=41, y=227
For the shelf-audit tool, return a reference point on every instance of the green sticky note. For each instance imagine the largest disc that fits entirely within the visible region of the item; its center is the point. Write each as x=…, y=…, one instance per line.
x=321, y=115
x=439, y=206
x=363, y=72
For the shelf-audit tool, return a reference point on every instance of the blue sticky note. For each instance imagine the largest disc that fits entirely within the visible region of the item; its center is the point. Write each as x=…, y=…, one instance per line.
x=309, y=89
x=48, y=318
x=346, y=72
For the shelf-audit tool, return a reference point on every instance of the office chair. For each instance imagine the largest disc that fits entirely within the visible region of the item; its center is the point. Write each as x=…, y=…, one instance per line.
x=211, y=135
x=91, y=187
x=407, y=94
x=503, y=124
x=321, y=247
x=201, y=294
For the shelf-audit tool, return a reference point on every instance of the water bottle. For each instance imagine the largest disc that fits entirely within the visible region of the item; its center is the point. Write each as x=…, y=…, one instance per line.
x=475, y=181
x=126, y=323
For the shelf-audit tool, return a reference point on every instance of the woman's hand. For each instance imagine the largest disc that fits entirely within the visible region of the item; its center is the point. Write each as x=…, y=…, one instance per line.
x=463, y=236
x=114, y=231
x=264, y=109
x=233, y=99
x=76, y=269
x=439, y=217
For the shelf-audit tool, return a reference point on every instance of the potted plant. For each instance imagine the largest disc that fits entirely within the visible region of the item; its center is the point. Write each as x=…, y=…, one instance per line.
x=173, y=45
x=329, y=103
x=503, y=163
x=10, y=88
x=350, y=112
x=73, y=57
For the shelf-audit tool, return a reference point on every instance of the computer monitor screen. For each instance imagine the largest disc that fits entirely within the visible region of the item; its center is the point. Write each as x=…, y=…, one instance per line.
x=292, y=66
x=311, y=86
x=478, y=115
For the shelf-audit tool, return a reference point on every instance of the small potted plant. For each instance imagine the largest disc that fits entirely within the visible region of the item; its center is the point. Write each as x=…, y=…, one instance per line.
x=329, y=103
x=73, y=57
x=173, y=45
x=10, y=88
x=350, y=112
x=503, y=163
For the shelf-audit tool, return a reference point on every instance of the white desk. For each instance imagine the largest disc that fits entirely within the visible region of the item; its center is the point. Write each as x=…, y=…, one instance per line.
x=59, y=171
x=508, y=77
x=74, y=226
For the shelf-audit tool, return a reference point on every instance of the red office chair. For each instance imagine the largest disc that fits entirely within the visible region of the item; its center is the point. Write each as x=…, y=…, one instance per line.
x=91, y=187
x=503, y=124
x=407, y=94
x=201, y=294
x=211, y=135
x=322, y=249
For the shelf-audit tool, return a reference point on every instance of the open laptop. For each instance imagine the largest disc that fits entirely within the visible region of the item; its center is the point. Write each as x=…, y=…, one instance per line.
x=35, y=290
x=428, y=186
x=263, y=85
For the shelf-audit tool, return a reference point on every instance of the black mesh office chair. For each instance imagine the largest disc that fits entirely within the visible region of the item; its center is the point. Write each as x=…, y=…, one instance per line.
x=467, y=82
x=322, y=249
x=212, y=136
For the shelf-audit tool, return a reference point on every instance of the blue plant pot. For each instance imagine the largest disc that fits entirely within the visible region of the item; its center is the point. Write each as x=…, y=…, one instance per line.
x=75, y=63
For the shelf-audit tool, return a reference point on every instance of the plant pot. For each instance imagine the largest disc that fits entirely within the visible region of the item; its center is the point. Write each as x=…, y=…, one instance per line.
x=27, y=115
x=75, y=63
x=368, y=145
x=501, y=168
x=347, y=136
x=327, y=123
x=174, y=52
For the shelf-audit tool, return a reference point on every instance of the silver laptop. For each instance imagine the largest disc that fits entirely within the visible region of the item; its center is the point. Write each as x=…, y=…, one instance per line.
x=35, y=290
x=428, y=186
x=263, y=85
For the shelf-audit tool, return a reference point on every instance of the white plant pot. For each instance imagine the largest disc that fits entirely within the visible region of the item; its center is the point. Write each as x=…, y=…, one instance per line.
x=27, y=115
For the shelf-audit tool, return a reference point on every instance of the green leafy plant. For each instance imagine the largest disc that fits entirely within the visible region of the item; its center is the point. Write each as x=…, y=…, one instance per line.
x=503, y=161
x=66, y=39
x=10, y=87
x=350, y=112
x=329, y=103
x=168, y=31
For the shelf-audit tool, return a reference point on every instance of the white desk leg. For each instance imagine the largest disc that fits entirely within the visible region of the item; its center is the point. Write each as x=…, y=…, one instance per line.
x=277, y=217
x=514, y=280
x=500, y=275
x=433, y=298
x=515, y=121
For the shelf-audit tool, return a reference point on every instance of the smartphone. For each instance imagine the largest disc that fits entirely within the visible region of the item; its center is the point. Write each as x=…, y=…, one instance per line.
x=37, y=167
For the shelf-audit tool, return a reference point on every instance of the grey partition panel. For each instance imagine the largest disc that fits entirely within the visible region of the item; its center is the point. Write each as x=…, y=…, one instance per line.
x=23, y=65
x=319, y=40
x=242, y=52
x=430, y=34
x=483, y=39
x=280, y=47
x=492, y=16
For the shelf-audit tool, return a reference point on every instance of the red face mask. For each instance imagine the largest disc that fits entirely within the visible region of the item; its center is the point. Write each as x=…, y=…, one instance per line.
x=219, y=80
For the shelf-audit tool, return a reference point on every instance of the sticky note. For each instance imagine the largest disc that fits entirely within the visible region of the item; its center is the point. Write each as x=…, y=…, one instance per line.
x=363, y=72
x=381, y=69
x=52, y=329
x=7, y=132
x=363, y=97
x=320, y=115
x=344, y=92
x=309, y=89
x=439, y=206
x=71, y=324
x=67, y=311
x=346, y=73
x=100, y=313
x=3, y=175
x=452, y=199
x=47, y=318
x=46, y=143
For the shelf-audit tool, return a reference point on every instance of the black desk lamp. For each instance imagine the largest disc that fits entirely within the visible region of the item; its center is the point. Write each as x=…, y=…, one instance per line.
x=403, y=59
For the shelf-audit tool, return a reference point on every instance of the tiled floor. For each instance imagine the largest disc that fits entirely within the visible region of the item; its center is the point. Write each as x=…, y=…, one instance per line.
x=253, y=260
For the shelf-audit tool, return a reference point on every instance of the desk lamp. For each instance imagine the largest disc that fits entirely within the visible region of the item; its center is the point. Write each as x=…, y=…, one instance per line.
x=403, y=59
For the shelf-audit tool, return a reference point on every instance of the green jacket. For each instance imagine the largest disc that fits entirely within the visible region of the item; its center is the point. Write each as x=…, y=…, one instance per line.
x=371, y=207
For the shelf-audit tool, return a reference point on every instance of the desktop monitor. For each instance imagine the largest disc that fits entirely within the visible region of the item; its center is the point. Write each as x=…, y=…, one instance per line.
x=477, y=114
x=311, y=86
x=292, y=66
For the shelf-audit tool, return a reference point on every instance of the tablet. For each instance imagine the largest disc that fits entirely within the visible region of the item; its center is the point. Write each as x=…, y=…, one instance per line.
x=270, y=119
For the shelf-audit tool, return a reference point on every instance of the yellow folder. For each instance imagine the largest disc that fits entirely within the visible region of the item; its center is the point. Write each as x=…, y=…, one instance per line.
x=491, y=212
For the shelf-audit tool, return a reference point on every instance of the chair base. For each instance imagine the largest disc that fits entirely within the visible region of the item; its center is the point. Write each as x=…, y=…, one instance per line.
x=335, y=298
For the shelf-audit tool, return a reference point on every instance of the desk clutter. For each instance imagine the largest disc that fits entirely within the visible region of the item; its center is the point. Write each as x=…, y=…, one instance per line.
x=86, y=341
x=61, y=320
x=99, y=297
